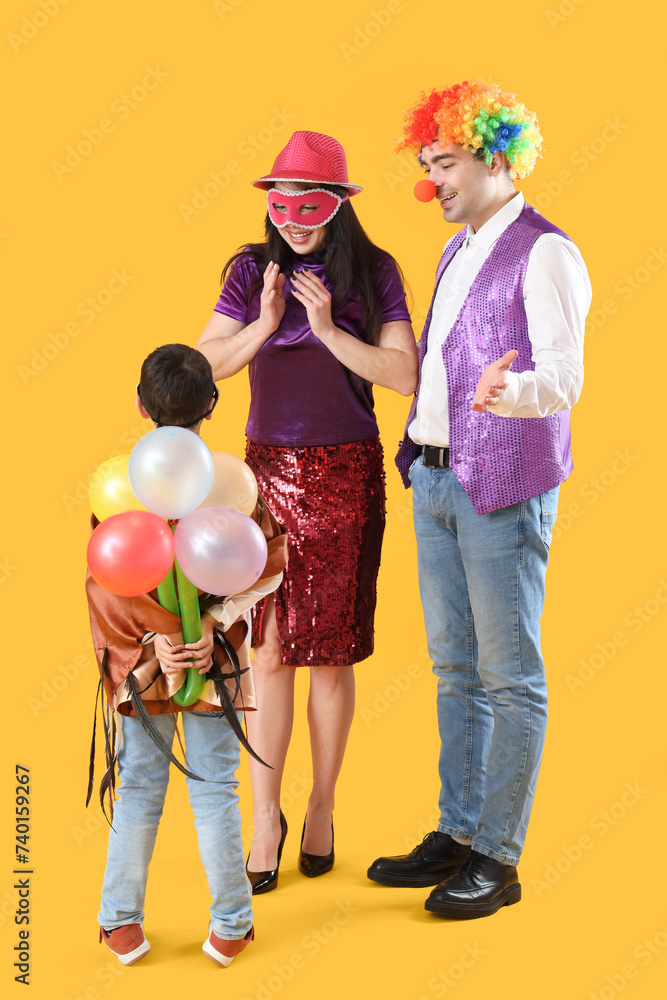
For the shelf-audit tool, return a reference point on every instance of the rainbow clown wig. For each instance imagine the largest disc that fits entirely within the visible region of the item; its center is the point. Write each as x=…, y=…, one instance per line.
x=480, y=117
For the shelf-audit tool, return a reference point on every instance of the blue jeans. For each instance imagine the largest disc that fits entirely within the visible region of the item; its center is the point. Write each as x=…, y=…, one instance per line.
x=481, y=579
x=213, y=752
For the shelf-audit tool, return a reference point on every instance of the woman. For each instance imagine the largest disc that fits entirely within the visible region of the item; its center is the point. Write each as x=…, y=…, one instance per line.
x=318, y=313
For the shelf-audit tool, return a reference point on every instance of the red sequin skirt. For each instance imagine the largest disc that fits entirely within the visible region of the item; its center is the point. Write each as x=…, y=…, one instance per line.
x=331, y=499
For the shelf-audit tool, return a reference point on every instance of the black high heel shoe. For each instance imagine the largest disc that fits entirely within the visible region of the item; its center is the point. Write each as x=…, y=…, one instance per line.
x=313, y=865
x=266, y=881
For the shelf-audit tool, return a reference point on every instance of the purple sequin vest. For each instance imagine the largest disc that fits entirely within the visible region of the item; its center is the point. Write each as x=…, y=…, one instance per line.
x=498, y=460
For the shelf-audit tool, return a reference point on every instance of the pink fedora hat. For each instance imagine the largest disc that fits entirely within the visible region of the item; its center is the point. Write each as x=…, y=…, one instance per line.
x=310, y=158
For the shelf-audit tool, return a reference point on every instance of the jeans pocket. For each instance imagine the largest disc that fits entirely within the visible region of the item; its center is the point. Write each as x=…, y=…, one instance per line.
x=548, y=513
x=413, y=464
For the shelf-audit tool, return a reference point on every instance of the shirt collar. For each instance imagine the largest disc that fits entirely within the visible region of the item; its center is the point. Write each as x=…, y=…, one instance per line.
x=487, y=235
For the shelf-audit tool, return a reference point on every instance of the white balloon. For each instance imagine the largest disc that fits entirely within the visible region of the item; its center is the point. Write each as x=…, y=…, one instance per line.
x=170, y=471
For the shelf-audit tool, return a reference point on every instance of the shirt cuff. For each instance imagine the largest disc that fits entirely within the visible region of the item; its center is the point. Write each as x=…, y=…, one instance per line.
x=233, y=607
x=509, y=397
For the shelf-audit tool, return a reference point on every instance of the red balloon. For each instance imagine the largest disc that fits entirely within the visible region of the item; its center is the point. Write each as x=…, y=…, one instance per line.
x=425, y=190
x=130, y=553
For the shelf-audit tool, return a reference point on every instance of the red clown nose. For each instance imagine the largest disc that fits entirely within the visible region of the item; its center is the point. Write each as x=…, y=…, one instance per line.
x=425, y=190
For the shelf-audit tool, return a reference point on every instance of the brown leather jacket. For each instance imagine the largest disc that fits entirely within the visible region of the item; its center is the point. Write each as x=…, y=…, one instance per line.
x=122, y=628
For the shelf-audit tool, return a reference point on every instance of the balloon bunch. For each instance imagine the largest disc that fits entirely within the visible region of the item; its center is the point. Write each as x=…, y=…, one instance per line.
x=171, y=476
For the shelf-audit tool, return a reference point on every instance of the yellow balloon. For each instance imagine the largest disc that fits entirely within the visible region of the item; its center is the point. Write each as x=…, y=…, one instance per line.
x=110, y=491
x=234, y=484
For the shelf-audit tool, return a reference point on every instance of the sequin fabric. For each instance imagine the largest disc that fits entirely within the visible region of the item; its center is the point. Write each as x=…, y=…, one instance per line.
x=332, y=500
x=498, y=461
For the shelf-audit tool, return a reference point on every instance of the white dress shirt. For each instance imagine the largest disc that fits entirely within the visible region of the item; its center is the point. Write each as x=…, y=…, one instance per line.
x=557, y=297
x=232, y=608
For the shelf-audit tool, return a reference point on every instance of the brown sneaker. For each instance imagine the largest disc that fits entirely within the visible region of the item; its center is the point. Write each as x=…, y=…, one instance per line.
x=127, y=943
x=222, y=951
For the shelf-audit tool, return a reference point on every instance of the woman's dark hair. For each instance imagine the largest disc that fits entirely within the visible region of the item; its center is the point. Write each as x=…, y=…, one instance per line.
x=350, y=261
x=176, y=385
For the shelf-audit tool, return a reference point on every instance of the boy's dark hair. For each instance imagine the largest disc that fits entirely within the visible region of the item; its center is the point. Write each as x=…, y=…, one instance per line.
x=176, y=386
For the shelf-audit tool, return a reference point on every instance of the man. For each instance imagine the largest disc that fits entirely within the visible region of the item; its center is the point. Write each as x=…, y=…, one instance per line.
x=487, y=445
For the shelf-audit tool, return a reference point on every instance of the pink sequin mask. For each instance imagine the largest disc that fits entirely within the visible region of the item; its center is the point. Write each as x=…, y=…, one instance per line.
x=285, y=207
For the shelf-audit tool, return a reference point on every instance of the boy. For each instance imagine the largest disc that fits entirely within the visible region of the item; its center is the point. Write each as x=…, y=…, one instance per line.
x=138, y=660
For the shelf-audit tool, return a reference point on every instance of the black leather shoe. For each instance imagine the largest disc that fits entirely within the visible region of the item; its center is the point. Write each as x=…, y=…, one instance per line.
x=266, y=881
x=313, y=865
x=437, y=857
x=479, y=888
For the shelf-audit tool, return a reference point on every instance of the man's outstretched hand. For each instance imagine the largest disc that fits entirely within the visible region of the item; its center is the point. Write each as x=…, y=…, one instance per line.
x=492, y=382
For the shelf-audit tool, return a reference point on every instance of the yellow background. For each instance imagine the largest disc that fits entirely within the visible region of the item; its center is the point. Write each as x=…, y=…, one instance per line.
x=225, y=76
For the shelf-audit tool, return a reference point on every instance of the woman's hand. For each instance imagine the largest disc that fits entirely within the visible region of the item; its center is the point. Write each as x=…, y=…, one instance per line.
x=309, y=290
x=272, y=300
x=194, y=654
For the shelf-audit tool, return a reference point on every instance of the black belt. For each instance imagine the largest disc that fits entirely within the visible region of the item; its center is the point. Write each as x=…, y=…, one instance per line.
x=435, y=458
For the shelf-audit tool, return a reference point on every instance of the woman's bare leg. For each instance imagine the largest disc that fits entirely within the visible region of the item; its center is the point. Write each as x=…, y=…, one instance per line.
x=330, y=714
x=269, y=731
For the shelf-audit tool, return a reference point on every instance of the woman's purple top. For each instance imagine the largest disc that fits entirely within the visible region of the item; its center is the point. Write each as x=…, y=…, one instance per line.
x=301, y=395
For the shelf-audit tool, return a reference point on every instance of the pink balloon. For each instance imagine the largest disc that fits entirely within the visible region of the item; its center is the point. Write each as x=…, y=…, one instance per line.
x=220, y=550
x=130, y=553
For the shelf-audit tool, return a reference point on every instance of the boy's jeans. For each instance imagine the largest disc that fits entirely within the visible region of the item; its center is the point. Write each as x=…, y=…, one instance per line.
x=212, y=752
x=481, y=579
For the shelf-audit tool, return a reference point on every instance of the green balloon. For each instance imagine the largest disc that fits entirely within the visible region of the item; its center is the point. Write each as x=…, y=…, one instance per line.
x=191, y=691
